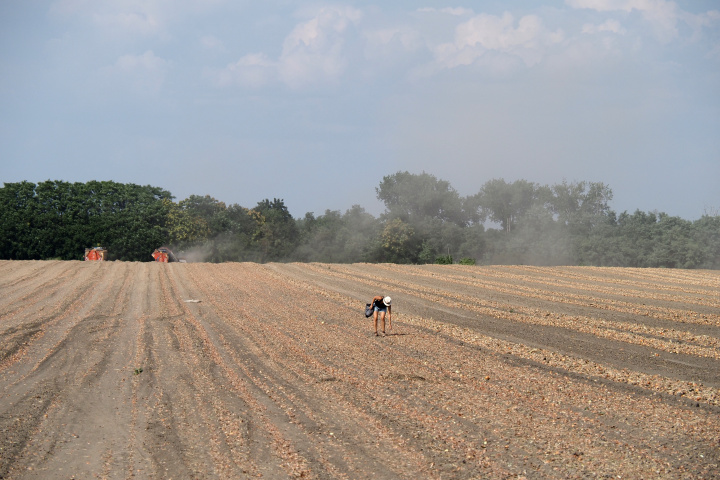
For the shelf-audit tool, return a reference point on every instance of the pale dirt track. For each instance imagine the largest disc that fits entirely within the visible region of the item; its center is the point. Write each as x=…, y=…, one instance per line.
x=107, y=371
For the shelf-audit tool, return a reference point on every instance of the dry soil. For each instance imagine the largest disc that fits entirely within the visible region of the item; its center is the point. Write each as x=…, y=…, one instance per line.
x=238, y=370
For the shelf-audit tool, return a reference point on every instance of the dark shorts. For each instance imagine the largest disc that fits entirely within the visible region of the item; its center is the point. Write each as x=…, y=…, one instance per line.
x=380, y=309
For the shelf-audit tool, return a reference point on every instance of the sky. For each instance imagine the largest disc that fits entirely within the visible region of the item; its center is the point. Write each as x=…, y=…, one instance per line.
x=314, y=102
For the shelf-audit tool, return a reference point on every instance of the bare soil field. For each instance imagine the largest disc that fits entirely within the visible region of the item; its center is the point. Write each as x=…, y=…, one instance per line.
x=176, y=371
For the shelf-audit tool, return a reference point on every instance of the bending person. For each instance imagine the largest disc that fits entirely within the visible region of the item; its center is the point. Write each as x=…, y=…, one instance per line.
x=382, y=305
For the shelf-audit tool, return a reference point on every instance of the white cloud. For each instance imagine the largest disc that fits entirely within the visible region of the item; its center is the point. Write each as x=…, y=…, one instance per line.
x=392, y=43
x=123, y=20
x=527, y=39
x=211, y=42
x=698, y=23
x=709, y=20
x=320, y=49
x=70, y=7
x=662, y=14
x=312, y=52
x=405, y=36
x=138, y=23
x=457, y=11
x=612, y=26
x=125, y=17
x=143, y=73
x=145, y=62
x=626, y=5
x=253, y=70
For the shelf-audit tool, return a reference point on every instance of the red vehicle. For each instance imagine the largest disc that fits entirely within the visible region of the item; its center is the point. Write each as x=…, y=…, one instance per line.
x=96, y=254
x=164, y=255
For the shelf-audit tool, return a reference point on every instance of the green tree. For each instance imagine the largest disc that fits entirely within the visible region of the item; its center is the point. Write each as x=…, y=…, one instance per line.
x=399, y=243
x=414, y=198
x=236, y=243
x=18, y=207
x=505, y=203
x=473, y=243
x=706, y=233
x=336, y=238
x=427, y=253
x=431, y=208
x=56, y=219
x=321, y=238
x=580, y=205
x=210, y=210
x=184, y=228
x=276, y=232
x=360, y=228
x=137, y=227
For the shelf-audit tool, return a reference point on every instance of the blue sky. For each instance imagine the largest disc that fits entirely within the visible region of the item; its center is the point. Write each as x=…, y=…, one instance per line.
x=314, y=102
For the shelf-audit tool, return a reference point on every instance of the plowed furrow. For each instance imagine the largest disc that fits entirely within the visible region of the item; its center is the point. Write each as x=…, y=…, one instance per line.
x=271, y=379
x=700, y=345
x=657, y=382
x=240, y=370
x=448, y=439
x=25, y=276
x=549, y=293
x=56, y=287
x=71, y=372
x=698, y=282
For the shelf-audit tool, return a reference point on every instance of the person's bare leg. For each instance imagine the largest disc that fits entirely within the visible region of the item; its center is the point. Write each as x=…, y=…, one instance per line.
x=375, y=322
x=383, y=323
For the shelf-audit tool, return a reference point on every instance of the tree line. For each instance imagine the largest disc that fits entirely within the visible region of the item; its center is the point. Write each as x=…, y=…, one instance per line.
x=425, y=221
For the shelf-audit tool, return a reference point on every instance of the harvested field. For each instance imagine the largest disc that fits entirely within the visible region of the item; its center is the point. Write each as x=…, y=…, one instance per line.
x=147, y=370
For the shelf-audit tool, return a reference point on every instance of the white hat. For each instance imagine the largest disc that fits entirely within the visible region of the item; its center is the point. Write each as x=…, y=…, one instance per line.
x=387, y=301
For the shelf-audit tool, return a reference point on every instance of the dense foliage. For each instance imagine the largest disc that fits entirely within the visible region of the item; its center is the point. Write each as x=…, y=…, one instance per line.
x=425, y=221
x=55, y=219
